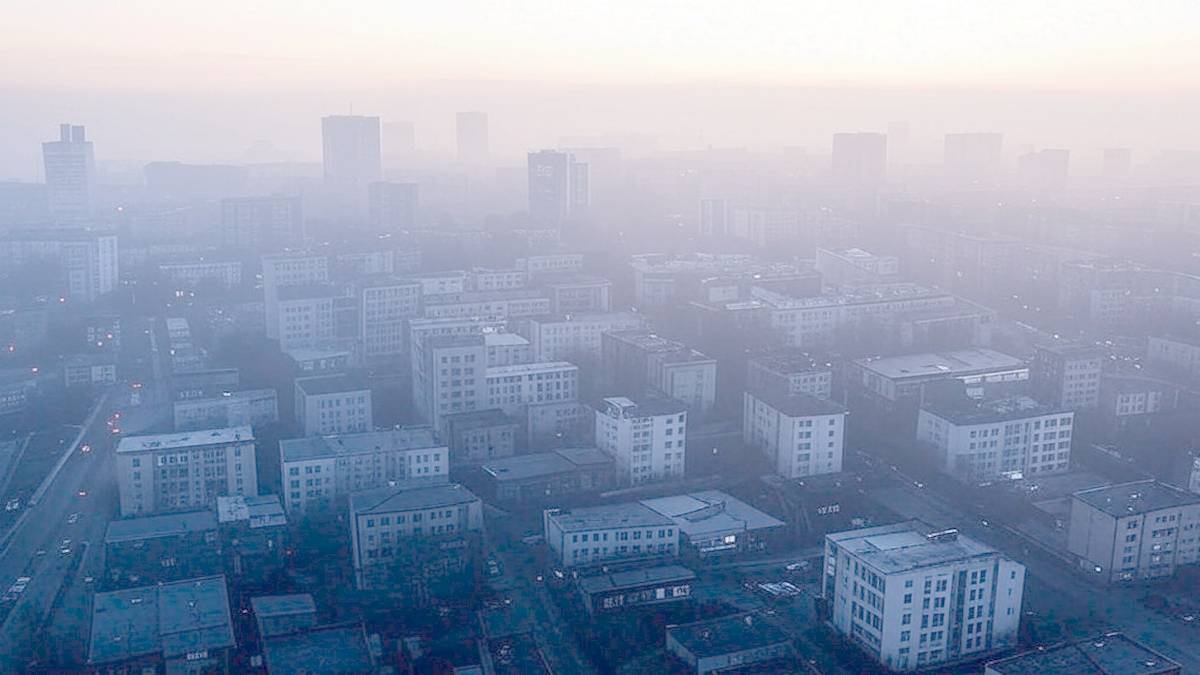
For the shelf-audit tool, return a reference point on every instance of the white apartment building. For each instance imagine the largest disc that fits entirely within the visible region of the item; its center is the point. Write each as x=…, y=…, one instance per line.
x=237, y=408
x=576, y=337
x=332, y=404
x=790, y=373
x=634, y=360
x=180, y=471
x=386, y=305
x=550, y=263
x=895, y=378
x=1134, y=531
x=802, y=435
x=1068, y=375
x=513, y=388
x=984, y=440
x=485, y=279
x=914, y=599
x=225, y=274
x=610, y=533
x=279, y=271
x=505, y=304
x=577, y=293
x=273, y=222
x=451, y=377
x=441, y=283
x=849, y=266
x=1176, y=354
x=383, y=521
x=88, y=260
x=646, y=438
x=507, y=349
x=319, y=470
x=306, y=316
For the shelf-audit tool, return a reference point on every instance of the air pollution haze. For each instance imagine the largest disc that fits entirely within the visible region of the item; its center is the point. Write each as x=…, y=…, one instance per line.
x=529, y=337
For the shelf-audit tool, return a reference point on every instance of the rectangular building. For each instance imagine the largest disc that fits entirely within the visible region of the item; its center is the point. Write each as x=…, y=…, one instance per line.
x=730, y=643
x=635, y=360
x=790, y=372
x=221, y=274
x=801, y=435
x=319, y=470
x=544, y=476
x=575, y=338
x=616, y=532
x=1068, y=375
x=895, y=378
x=713, y=523
x=914, y=599
x=175, y=472
x=479, y=436
x=1134, y=531
x=332, y=404
x=646, y=438
x=1108, y=654
x=159, y=549
x=262, y=224
x=251, y=407
x=631, y=589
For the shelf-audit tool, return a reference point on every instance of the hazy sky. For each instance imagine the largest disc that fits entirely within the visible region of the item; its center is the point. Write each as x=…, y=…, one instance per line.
x=278, y=43
x=200, y=81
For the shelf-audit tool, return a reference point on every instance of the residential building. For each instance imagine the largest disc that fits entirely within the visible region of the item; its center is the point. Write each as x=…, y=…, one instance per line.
x=1178, y=355
x=89, y=370
x=351, y=157
x=891, y=379
x=70, y=165
x=332, y=404
x=84, y=263
x=1126, y=400
x=714, y=219
x=543, y=476
x=502, y=304
x=254, y=530
x=641, y=360
x=559, y=187
x=575, y=293
x=262, y=224
x=306, y=316
x=318, y=471
x=1135, y=531
x=1107, y=654
x=716, y=524
x=251, y=407
x=513, y=388
x=915, y=599
x=507, y=349
x=479, y=436
x=387, y=524
x=790, y=372
x=320, y=361
x=550, y=425
x=603, y=534
x=283, y=270
x=178, y=627
x=392, y=206
x=181, y=471
x=449, y=375
x=646, y=437
x=331, y=648
x=611, y=592
x=489, y=279
x=204, y=383
x=982, y=440
x=662, y=280
x=734, y=642
x=221, y=274
x=163, y=548
x=575, y=338
x=385, y=306
x=536, y=266
x=850, y=266
x=801, y=435
x=1068, y=375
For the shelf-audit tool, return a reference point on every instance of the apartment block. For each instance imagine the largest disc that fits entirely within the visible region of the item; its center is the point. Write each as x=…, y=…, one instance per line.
x=801, y=435
x=646, y=437
x=181, y=471
x=332, y=404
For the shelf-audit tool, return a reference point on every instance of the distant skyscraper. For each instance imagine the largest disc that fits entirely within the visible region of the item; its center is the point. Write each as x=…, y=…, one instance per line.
x=973, y=157
x=70, y=175
x=860, y=158
x=351, y=155
x=392, y=205
x=714, y=217
x=262, y=224
x=558, y=186
x=1117, y=163
x=399, y=140
x=472, y=133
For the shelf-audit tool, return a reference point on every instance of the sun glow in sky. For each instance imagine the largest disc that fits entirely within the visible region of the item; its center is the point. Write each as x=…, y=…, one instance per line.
x=302, y=43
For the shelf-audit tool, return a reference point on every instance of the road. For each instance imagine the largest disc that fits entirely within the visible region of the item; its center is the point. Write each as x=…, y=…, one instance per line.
x=84, y=484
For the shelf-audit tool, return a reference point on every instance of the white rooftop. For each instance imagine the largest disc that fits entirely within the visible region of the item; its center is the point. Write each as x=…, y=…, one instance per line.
x=190, y=439
x=949, y=364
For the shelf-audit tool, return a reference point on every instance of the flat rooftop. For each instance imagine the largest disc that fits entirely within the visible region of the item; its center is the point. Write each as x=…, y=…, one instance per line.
x=543, y=464
x=479, y=419
x=641, y=407
x=165, y=525
x=711, y=512
x=171, y=619
x=526, y=368
x=789, y=363
x=1143, y=496
x=329, y=384
x=942, y=364
x=901, y=547
x=258, y=510
x=636, y=578
x=320, y=649
x=391, y=440
x=734, y=633
x=390, y=499
x=504, y=340
x=614, y=516
x=283, y=605
x=799, y=405
x=965, y=410
x=189, y=439
x=1109, y=654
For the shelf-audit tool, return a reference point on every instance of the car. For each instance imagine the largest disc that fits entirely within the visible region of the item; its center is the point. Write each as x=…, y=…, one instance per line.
x=12, y=505
x=40, y=551
x=86, y=448
x=82, y=493
x=798, y=566
x=89, y=579
x=65, y=543
x=64, y=551
x=73, y=518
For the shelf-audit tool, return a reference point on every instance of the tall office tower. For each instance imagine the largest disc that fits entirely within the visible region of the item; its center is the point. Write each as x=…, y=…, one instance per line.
x=1045, y=168
x=262, y=224
x=1117, y=163
x=472, y=133
x=860, y=159
x=558, y=186
x=973, y=157
x=70, y=175
x=399, y=140
x=392, y=206
x=351, y=155
x=715, y=216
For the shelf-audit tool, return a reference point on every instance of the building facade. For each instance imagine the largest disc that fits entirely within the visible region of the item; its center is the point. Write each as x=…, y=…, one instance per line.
x=801, y=435
x=646, y=438
x=174, y=472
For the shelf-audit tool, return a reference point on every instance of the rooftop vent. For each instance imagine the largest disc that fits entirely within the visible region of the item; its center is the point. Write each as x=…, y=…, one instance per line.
x=942, y=536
